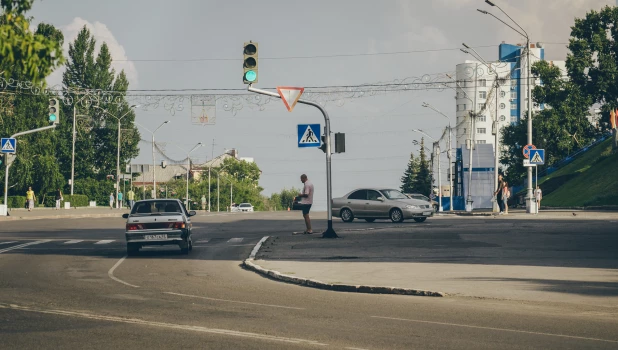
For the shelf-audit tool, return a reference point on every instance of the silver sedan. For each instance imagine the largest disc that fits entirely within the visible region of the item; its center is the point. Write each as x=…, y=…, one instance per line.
x=373, y=203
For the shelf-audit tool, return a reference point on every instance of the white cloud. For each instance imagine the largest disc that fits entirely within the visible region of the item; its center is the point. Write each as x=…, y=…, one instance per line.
x=101, y=33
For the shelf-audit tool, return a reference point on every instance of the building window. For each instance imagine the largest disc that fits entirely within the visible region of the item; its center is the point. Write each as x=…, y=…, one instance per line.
x=513, y=106
x=482, y=142
x=481, y=118
x=502, y=81
x=502, y=94
x=513, y=119
x=483, y=82
x=502, y=106
x=513, y=82
x=461, y=108
x=482, y=94
x=502, y=118
x=513, y=94
x=481, y=130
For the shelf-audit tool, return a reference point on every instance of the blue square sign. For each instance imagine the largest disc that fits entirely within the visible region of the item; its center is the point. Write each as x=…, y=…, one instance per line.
x=309, y=135
x=537, y=156
x=8, y=145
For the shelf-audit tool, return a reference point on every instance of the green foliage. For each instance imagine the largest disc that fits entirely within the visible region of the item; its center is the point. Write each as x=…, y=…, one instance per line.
x=32, y=55
x=241, y=170
x=95, y=190
x=408, y=180
x=417, y=176
x=282, y=200
x=76, y=200
x=16, y=201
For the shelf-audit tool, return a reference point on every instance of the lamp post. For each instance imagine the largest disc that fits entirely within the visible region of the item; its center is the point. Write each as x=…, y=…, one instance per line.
x=496, y=125
x=118, y=204
x=529, y=198
x=436, y=150
x=448, y=155
x=188, y=168
x=154, y=169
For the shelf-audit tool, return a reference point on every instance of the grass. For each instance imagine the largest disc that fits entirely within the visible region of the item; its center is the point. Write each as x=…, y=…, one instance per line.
x=590, y=180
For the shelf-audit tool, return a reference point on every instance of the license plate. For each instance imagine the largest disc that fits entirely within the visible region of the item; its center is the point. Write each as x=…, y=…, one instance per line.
x=427, y=213
x=155, y=236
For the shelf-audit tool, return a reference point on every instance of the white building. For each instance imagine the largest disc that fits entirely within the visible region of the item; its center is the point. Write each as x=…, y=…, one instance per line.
x=476, y=92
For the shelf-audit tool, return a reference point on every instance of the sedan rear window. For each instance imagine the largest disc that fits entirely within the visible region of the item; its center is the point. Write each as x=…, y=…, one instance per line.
x=245, y=205
x=156, y=207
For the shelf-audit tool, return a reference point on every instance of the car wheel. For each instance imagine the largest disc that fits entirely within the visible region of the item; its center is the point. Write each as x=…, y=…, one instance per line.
x=190, y=245
x=347, y=215
x=435, y=208
x=370, y=220
x=420, y=219
x=396, y=215
x=132, y=249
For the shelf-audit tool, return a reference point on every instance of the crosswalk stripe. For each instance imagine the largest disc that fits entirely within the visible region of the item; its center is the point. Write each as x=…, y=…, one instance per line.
x=23, y=245
x=8, y=242
x=235, y=240
x=74, y=241
x=105, y=241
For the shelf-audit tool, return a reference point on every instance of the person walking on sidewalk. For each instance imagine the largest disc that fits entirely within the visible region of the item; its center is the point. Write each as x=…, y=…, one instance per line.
x=505, y=197
x=499, y=193
x=59, y=198
x=119, y=202
x=111, y=200
x=538, y=195
x=131, y=198
x=30, y=197
x=306, y=200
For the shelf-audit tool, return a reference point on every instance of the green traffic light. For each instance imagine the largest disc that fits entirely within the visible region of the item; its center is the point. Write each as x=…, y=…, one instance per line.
x=250, y=76
x=52, y=117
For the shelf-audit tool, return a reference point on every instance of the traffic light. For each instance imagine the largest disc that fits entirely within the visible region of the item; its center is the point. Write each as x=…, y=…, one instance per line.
x=339, y=142
x=54, y=111
x=250, y=63
x=323, y=145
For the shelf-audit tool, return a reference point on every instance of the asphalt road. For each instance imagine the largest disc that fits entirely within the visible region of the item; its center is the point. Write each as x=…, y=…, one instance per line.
x=67, y=284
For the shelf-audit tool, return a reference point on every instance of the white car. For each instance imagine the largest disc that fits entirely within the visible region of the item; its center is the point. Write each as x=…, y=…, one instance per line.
x=245, y=207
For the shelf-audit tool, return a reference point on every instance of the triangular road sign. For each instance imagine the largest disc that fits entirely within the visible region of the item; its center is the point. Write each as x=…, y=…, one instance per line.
x=290, y=95
x=309, y=136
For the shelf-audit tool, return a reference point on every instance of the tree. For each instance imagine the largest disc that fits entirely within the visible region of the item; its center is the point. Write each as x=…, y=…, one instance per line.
x=408, y=180
x=33, y=55
x=424, y=177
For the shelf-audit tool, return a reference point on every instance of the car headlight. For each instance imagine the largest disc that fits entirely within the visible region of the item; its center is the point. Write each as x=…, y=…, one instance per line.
x=412, y=207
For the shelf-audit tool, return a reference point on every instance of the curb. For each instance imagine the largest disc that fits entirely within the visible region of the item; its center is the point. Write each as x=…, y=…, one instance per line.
x=12, y=218
x=250, y=264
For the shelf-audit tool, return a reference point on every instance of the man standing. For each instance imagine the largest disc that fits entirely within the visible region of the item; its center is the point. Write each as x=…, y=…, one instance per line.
x=119, y=202
x=111, y=200
x=499, y=193
x=58, y=198
x=30, y=197
x=306, y=200
x=538, y=195
x=131, y=198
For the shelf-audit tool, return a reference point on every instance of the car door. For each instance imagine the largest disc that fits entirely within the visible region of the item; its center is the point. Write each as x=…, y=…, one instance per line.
x=374, y=208
x=356, y=201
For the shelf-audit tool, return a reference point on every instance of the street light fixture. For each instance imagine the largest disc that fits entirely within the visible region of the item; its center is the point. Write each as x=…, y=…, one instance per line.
x=496, y=122
x=529, y=199
x=118, y=204
x=188, y=169
x=449, y=156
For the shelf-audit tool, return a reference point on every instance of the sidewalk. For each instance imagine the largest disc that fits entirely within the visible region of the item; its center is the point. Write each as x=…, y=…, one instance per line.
x=51, y=213
x=558, y=258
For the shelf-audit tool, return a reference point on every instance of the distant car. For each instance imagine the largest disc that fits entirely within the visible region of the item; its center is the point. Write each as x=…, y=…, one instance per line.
x=158, y=222
x=245, y=207
x=374, y=203
x=434, y=204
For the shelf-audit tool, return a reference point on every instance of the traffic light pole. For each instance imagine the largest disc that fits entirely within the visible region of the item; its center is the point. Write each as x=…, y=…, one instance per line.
x=330, y=232
x=9, y=161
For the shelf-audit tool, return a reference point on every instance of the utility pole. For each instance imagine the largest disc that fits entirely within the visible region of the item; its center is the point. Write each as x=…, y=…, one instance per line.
x=212, y=155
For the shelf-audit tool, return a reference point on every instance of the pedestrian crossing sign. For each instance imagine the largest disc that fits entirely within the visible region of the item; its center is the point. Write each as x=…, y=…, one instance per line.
x=537, y=156
x=8, y=145
x=309, y=135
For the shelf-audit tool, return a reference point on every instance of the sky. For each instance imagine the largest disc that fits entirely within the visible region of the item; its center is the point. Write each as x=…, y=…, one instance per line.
x=197, y=45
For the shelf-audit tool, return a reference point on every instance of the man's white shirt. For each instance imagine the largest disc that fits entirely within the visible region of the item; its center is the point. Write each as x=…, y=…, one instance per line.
x=308, y=190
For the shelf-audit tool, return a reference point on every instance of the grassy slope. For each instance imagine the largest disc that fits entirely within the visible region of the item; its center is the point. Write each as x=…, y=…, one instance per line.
x=591, y=179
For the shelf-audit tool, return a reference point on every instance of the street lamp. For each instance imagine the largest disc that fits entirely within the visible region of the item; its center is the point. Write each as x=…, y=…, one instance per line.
x=529, y=199
x=154, y=168
x=436, y=147
x=118, y=204
x=449, y=156
x=496, y=121
x=188, y=168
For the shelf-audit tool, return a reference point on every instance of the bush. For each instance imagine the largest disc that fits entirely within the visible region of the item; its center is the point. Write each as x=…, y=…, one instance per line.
x=76, y=200
x=16, y=201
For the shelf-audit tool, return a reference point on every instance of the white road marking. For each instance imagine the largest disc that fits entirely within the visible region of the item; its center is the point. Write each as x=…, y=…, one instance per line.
x=201, y=241
x=234, y=301
x=498, y=329
x=181, y=327
x=74, y=241
x=23, y=245
x=110, y=273
x=8, y=242
x=235, y=240
x=105, y=241
x=354, y=348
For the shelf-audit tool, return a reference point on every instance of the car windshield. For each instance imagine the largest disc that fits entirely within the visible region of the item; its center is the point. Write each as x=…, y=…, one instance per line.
x=150, y=207
x=393, y=194
x=245, y=205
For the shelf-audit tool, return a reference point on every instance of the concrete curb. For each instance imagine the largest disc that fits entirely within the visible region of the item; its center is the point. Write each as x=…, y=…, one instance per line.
x=79, y=216
x=250, y=264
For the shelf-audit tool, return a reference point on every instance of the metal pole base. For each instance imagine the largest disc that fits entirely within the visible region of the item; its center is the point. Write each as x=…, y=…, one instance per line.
x=330, y=233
